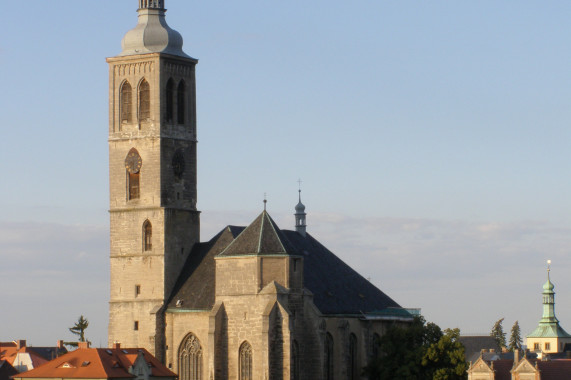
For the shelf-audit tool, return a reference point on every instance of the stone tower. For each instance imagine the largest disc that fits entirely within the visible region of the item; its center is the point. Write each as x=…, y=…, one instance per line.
x=152, y=176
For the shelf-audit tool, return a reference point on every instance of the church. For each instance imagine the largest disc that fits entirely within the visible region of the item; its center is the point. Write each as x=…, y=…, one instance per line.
x=254, y=302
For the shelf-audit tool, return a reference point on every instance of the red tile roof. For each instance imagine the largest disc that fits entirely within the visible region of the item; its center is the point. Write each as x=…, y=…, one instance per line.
x=100, y=363
x=502, y=368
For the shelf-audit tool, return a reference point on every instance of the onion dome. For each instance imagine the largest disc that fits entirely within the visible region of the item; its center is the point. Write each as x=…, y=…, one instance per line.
x=152, y=34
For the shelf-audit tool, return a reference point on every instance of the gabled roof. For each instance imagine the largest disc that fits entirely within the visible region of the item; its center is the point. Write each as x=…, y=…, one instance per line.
x=336, y=287
x=262, y=237
x=97, y=363
x=502, y=369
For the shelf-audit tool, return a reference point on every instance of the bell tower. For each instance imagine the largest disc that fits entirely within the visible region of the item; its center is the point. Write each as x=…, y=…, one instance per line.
x=152, y=176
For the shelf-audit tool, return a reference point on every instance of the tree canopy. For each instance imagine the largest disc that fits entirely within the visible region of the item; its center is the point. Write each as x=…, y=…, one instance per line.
x=420, y=351
x=79, y=329
x=498, y=333
x=515, y=337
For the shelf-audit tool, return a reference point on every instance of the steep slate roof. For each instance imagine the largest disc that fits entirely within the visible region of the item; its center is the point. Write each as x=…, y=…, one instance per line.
x=97, y=363
x=336, y=287
x=262, y=237
x=473, y=346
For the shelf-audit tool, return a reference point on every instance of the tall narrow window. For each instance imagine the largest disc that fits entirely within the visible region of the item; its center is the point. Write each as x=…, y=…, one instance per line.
x=328, y=357
x=147, y=236
x=294, y=361
x=170, y=101
x=245, y=369
x=126, y=103
x=181, y=102
x=133, y=165
x=190, y=359
x=352, y=367
x=376, y=346
x=144, y=101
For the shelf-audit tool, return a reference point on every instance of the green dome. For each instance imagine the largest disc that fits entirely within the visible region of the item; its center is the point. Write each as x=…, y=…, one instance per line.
x=548, y=285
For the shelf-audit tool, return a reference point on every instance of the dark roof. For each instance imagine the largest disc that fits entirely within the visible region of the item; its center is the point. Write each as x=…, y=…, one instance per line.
x=6, y=370
x=336, y=287
x=262, y=237
x=554, y=369
x=502, y=369
x=473, y=345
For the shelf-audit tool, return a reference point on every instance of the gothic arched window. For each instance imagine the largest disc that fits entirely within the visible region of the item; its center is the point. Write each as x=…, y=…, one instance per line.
x=352, y=367
x=328, y=357
x=294, y=361
x=133, y=165
x=126, y=103
x=147, y=236
x=245, y=357
x=190, y=359
x=170, y=101
x=376, y=346
x=144, y=101
x=181, y=102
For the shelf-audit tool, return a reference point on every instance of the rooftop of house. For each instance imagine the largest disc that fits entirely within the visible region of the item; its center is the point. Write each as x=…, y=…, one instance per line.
x=98, y=363
x=336, y=287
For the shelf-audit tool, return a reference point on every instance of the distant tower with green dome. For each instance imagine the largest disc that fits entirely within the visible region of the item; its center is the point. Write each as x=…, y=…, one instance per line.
x=549, y=336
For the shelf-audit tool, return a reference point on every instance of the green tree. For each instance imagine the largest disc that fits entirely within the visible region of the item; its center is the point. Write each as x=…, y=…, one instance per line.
x=445, y=359
x=515, y=337
x=498, y=333
x=79, y=329
x=419, y=351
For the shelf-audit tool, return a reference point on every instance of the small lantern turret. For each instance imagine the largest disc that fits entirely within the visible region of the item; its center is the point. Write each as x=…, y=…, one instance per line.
x=300, y=225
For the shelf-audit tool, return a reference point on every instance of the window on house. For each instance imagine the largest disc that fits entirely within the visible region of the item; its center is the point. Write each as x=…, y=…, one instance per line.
x=352, y=367
x=144, y=101
x=328, y=357
x=245, y=355
x=170, y=101
x=147, y=236
x=136, y=326
x=547, y=346
x=181, y=102
x=190, y=359
x=137, y=290
x=536, y=346
x=126, y=103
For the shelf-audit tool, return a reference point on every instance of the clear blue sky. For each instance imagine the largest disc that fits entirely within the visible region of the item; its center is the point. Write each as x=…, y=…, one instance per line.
x=432, y=139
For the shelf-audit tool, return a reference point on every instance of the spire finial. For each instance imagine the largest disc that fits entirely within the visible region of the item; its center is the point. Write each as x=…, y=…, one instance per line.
x=265, y=201
x=548, y=266
x=299, y=181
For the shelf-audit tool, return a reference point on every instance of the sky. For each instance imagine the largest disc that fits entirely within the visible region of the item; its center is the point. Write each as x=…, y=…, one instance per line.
x=432, y=139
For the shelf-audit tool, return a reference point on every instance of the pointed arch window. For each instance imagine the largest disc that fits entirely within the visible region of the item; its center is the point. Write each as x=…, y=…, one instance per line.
x=133, y=165
x=126, y=103
x=352, y=367
x=190, y=359
x=245, y=357
x=144, y=101
x=328, y=357
x=147, y=236
x=181, y=102
x=376, y=346
x=169, y=115
x=294, y=361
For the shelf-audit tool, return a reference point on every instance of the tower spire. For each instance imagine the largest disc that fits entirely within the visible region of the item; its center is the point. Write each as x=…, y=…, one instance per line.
x=300, y=225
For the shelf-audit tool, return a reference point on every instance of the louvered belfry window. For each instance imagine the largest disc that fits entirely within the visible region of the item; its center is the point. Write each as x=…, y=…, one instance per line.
x=144, y=101
x=246, y=372
x=126, y=103
x=190, y=359
x=181, y=102
x=169, y=114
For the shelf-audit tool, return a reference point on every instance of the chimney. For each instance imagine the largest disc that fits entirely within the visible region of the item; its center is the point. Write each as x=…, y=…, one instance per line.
x=116, y=345
x=59, y=344
x=83, y=345
x=20, y=343
x=516, y=356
